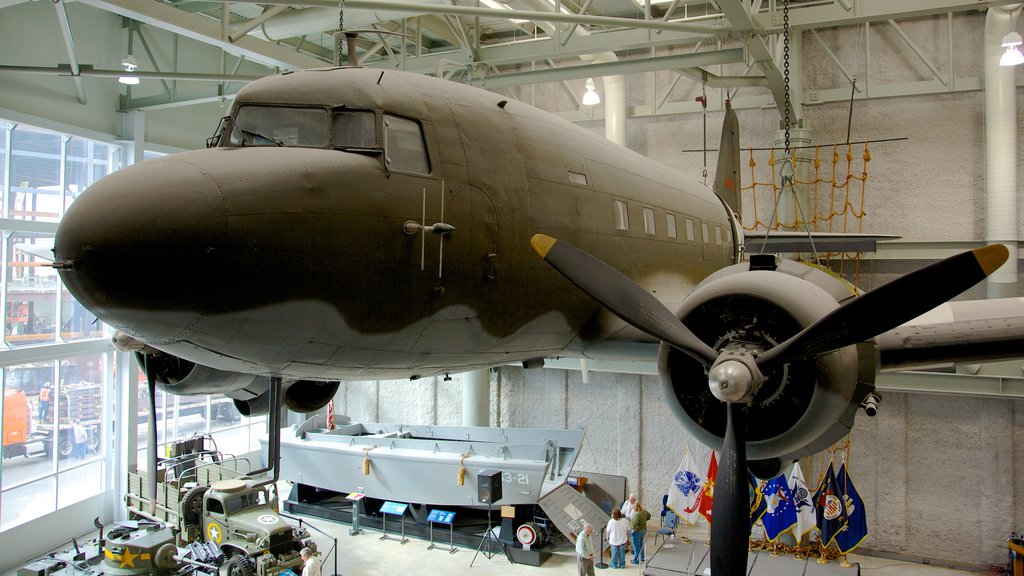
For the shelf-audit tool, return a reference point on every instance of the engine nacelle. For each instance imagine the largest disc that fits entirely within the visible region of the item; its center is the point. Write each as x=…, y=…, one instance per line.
x=179, y=376
x=251, y=393
x=803, y=406
x=301, y=396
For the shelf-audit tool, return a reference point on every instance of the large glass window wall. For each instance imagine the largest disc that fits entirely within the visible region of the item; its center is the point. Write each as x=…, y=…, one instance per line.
x=57, y=409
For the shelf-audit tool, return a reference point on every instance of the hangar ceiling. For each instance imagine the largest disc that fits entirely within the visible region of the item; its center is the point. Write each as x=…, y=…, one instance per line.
x=497, y=44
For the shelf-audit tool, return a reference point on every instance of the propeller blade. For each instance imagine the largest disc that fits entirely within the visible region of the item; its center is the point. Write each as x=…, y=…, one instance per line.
x=623, y=297
x=888, y=306
x=730, y=510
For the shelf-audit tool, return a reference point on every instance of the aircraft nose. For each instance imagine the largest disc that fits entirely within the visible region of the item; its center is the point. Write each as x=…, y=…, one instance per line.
x=132, y=238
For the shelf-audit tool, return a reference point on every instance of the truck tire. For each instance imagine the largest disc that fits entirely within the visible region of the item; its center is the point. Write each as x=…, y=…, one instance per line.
x=65, y=446
x=239, y=565
x=192, y=504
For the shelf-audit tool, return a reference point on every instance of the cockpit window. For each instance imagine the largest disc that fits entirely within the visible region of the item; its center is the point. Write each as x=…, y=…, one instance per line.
x=280, y=126
x=355, y=129
x=404, y=146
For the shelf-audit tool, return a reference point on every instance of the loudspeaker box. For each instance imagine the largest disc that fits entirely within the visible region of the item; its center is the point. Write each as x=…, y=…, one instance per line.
x=488, y=486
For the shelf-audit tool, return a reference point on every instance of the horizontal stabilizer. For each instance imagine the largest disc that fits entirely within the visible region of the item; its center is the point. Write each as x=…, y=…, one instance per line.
x=777, y=242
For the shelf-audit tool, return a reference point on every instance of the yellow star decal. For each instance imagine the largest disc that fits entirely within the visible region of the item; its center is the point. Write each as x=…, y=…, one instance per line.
x=128, y=559
x=213, y=532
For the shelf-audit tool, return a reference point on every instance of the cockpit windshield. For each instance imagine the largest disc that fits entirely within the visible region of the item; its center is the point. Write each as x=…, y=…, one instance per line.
x=280, y=126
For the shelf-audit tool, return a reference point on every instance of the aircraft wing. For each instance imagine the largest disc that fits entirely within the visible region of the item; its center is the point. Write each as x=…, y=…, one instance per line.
x=784, y=241
x=964, y=331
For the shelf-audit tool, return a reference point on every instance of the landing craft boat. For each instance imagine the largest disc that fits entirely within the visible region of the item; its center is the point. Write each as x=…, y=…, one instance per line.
x=435, y=465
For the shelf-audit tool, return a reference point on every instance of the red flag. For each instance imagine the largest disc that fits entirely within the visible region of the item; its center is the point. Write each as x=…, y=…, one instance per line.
x=330, y=415
x=707, y=495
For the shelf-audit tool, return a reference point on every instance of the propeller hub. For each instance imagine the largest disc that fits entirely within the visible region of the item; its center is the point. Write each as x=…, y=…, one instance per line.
x=730, y=381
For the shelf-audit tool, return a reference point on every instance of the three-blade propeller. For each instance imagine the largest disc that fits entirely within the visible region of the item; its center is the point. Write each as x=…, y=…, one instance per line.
x=858, y=319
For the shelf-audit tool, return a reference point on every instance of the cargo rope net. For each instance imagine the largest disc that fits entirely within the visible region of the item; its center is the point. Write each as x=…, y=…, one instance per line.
x=836, y=194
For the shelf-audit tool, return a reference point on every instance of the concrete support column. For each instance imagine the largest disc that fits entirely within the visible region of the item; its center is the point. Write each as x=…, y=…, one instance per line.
x=1001, y=213
x=476, y=398
x=133, y=132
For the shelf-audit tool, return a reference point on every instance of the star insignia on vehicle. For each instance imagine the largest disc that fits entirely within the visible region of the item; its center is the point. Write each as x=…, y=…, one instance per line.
x=128, y=559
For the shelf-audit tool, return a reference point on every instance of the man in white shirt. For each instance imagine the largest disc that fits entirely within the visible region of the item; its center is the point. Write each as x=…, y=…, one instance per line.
x=584, y=551
x=628, y=505
x=311, y=566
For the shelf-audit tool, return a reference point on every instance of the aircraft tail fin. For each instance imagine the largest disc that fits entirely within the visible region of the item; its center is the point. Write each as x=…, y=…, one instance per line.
x=727, y=174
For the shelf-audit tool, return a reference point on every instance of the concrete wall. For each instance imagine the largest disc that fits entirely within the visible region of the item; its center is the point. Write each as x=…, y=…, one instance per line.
x=941, y=476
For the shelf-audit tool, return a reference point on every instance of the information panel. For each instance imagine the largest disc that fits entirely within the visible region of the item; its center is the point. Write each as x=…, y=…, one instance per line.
x=393, y=508
x=441, y=516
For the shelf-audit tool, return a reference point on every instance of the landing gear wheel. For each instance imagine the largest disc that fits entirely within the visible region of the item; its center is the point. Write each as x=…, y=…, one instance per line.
x=238, y=565
x=192, y=504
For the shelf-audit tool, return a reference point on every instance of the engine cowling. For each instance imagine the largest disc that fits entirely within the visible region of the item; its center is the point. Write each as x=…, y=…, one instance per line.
x=301, y=396
x=251, y=393
x=802, y=407
x=176, y=375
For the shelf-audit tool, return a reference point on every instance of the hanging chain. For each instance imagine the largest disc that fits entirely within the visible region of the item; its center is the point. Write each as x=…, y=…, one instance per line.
x=341, y=30
x=785, y=68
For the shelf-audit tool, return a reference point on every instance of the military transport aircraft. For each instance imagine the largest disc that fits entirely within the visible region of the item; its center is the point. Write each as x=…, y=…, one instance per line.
x=351, y=223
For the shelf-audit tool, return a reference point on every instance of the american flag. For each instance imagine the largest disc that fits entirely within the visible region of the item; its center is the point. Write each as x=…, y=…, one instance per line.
x=330, y=415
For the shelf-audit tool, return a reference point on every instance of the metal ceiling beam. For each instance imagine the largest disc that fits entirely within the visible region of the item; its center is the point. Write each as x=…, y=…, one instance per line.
x=534, y=16
x=207, y=31
x=69, y=43
x=833, y=15
x=634, y=66
x=547, y=49
x=88, y=70
x=743, y=24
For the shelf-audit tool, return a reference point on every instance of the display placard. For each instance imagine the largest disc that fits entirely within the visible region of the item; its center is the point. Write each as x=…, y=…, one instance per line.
x=441, y=516
x=393, y=508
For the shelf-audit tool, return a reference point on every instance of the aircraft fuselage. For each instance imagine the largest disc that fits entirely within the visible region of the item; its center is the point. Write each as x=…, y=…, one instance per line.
x=304, y=243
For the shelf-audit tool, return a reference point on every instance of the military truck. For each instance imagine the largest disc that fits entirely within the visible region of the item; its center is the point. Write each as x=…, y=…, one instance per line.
x=217, y=504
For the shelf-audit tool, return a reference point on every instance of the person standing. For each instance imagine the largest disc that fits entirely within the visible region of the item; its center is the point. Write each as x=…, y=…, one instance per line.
x=627, y=506
x=44, y=400
x=618, y=534
x=310, y=564
x=584, y=551
x=638, y=532
x=81, y=438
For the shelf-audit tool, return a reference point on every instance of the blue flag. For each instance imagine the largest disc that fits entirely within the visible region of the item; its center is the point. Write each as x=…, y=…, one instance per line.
x=830, y=508
x=857, y=522
x=780, y=510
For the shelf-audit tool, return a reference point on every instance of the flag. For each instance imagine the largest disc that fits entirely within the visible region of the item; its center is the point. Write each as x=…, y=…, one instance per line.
x=857, y=522
x=831, y=510
x=707, y=495
x=685, y=489
x=805, y=518
x=780, y=510
x=757, y=501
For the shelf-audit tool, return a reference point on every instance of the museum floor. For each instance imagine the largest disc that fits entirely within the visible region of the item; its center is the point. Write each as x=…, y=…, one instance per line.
x=367, y=555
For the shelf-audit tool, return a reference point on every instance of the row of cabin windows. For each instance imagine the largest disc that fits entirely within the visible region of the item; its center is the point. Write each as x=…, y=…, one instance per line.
x=650, y=227
x=404, y=147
